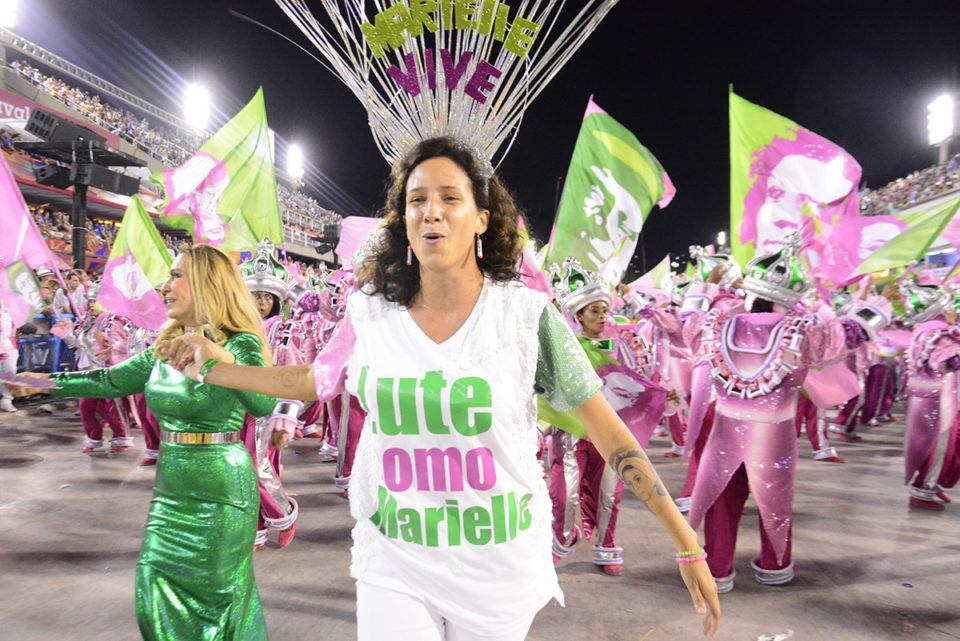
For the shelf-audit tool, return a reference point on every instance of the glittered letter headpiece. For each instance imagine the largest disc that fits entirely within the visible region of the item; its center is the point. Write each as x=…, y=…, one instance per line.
x=461, y=68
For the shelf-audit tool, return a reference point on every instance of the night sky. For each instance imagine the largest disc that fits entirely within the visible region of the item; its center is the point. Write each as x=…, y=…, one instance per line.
x=858, y=73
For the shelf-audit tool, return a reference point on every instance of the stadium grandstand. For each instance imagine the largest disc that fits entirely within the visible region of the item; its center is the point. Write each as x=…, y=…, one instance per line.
x=918, y=188
x=33, y=78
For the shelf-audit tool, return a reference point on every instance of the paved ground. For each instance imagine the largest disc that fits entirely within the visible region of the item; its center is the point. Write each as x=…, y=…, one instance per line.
x=869, y=567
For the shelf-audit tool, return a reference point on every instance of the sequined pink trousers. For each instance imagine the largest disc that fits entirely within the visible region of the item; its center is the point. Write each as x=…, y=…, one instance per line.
x=579, y=476
x=925, y=431
x=739, y=453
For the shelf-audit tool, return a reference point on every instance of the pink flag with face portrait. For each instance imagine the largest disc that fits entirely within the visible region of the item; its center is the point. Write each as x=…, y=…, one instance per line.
x=848, y=243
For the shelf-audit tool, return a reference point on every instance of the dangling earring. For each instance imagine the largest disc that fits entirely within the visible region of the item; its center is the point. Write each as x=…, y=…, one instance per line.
x=479, y=246
x=409, y=255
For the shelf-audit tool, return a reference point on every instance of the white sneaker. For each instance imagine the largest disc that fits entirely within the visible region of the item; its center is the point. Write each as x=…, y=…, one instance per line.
x=46, y=407
x=7, y=405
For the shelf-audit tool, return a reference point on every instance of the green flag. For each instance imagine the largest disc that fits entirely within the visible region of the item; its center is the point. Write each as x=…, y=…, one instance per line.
x=139, y=261
x=612, y=184
x=780, y=174
x=910, y=245
x=225, y=194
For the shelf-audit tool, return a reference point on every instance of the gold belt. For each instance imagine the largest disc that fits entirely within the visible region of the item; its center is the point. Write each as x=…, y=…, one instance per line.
x=199, y=438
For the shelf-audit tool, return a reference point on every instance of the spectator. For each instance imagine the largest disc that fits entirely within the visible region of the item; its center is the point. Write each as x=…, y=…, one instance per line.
x=61, y=302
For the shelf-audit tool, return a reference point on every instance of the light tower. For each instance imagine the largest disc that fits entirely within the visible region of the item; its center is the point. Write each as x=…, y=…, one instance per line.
x=942, y=123
x=196, y=106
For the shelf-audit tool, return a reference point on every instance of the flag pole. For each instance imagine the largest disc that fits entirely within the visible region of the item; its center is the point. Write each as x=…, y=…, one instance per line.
x=643, y=253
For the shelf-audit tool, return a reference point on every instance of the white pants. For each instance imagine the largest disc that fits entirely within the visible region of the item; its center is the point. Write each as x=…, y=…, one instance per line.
x=8, y=366
x=390, y=615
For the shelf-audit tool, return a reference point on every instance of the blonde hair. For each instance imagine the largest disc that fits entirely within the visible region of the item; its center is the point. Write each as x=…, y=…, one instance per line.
x=222, y=303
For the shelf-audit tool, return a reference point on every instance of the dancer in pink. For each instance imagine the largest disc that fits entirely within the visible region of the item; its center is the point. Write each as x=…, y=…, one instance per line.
x=931, y=457
x=271, y=285
x=758, y=360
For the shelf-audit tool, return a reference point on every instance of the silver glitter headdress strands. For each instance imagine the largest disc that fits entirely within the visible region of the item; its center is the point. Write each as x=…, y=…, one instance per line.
x=462, y=68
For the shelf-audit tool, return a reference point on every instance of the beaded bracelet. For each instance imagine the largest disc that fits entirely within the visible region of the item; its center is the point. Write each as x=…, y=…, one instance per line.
x=691, y=556
x=205, y=369
x=692, y=559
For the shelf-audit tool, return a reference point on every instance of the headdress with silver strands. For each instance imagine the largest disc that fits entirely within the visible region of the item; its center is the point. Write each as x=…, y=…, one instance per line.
x=430, y=68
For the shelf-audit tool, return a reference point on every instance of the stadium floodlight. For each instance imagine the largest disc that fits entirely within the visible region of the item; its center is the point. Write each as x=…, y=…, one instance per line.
x=721, y=239
x=196, y=106
x=940, y=120
x=8, y=13
x=295, y=161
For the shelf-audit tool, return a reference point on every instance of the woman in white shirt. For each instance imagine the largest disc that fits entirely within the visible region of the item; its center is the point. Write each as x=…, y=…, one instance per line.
x=446, y=349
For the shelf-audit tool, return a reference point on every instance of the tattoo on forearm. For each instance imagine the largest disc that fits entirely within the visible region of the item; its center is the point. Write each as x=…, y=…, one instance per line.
x=636, y=470
x=288, y=378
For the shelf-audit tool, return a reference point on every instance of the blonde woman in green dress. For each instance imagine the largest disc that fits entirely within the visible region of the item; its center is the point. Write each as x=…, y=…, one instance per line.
x=195, y=574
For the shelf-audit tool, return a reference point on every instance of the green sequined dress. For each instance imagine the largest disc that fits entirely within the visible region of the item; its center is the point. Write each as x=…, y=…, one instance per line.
x=195, y=575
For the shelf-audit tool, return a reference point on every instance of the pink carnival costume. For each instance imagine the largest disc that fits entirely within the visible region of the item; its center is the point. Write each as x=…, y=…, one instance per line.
x=758, y=361
x=345, y=415
x=701, y=398
x=104, y=342
x=278, y=511
x=578, y=474
x=931, y=457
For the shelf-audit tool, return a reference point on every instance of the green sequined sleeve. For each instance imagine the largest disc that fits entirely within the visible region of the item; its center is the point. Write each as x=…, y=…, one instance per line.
x=123, y=379
x=564, y=375
x=246, y=347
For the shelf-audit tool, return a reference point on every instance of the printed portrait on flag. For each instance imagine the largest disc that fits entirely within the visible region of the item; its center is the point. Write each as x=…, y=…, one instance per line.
x=784, y=178
x=807, y=176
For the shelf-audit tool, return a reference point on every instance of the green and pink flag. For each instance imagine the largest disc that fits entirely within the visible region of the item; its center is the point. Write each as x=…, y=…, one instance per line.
x=226, y=194
x=22, y=249
x=138, y=262
x=612, y=185
x=21, y=238
x=20, y=292
x=781, y=175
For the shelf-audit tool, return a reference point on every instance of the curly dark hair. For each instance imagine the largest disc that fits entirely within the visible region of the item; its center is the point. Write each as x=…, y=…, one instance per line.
x=385, y=271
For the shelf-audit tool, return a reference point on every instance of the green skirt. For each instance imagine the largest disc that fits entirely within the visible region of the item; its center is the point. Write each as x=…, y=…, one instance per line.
x=195, y=575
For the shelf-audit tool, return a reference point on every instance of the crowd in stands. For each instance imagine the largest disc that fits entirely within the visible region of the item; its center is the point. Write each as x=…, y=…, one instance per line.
x=165, y=144
x=921, y=185
x=302, y=215
x=101, y=233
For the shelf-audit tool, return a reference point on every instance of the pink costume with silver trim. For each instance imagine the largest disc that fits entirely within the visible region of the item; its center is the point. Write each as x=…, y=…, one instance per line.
x=758, y=362
x=932, y=460
x=278, y=511
x=579, y=477
x=107, y=342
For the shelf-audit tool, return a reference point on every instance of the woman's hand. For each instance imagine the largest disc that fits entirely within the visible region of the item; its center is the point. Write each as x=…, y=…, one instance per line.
x=40, y=375
x=703, y=591
x=189, y=352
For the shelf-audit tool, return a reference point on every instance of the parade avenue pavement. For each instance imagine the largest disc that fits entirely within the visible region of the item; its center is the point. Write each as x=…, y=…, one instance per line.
x=869, y=568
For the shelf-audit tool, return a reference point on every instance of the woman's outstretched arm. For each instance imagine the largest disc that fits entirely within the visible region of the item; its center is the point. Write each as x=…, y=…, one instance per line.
x=190, y=351
x=624, y=454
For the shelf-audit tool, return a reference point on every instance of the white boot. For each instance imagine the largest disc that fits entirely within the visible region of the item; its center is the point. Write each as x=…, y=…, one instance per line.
x=7, y=405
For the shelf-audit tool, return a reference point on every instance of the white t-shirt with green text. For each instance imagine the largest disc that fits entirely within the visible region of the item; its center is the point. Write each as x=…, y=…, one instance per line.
x=448, y=494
